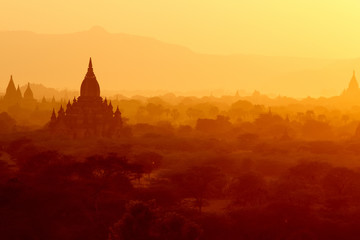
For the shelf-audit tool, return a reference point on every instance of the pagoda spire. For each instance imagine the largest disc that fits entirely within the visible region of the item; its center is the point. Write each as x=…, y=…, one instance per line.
x=90, y=72
x=11, y=82
x=353, y=85
x=53, y=115
x=90, y=64
x=10, y=93
x=28, y=94
x=18, y=92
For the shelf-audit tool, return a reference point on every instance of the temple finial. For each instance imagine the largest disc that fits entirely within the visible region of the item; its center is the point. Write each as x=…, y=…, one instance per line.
x=53, y=115
x=90, y=63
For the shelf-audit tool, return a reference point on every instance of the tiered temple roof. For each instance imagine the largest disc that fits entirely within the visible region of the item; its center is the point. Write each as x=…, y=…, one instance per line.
x=89, y=114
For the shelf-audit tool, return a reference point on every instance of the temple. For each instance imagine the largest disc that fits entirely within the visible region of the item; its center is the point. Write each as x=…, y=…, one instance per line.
x=13, y=96
x=89, y=114
x=353, y=89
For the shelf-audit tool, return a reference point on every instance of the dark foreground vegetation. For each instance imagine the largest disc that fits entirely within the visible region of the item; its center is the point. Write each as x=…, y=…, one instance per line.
x=214, y=180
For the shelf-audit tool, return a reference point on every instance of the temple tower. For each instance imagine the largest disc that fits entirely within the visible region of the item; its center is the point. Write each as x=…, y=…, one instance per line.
x=89, y=114
x=353, y=89
x=10, y=94
x=28, y=94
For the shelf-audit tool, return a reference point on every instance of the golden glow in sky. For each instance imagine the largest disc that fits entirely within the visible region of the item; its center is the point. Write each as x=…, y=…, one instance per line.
x=312, y=28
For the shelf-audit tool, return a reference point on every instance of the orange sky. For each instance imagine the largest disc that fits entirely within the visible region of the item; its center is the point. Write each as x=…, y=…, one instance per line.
x=312, y=28
x=317, y=29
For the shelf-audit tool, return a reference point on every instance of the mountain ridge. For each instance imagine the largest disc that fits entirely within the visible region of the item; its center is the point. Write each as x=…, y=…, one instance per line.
x=131, y=62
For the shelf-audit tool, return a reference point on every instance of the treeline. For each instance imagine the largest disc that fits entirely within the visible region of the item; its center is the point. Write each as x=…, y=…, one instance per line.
x=227, y=191
x=331, y=122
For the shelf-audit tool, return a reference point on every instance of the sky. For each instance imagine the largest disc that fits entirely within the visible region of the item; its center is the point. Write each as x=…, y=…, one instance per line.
x=301, y=28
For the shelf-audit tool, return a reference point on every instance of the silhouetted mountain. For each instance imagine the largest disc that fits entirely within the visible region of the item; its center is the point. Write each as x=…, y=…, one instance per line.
x=41, y=91
x=127, y=62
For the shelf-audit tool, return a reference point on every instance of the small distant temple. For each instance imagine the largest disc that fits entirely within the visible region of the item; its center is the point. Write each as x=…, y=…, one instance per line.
x=89, y=114
x=353, y=89
x=14, y=96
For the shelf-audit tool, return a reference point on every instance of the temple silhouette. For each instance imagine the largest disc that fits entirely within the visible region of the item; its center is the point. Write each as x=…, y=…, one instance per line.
x=353, y=89
x=89, y=114
x=13, y=95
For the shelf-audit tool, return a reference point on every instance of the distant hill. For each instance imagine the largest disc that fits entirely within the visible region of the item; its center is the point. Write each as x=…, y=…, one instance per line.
x=41, y=91
x=125, y=62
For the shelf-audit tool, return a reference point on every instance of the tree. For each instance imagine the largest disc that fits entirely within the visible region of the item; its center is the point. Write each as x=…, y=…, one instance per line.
x=248, y=189
x=200, y=183
x=135, y=223
x=148, y=161
x=173, y=226
x=7, y=123
x=341, y=185
x=142, y=221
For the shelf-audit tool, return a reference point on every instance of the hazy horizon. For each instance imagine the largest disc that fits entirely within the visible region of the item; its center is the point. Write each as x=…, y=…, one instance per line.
x=163, y=67
x=101, y=28
x=318, y=29
x=296, y=49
